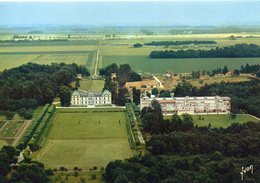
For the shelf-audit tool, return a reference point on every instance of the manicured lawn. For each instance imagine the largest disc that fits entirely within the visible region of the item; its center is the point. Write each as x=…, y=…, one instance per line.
x=79, y=139
x=221, y=120
x=90, y=84
x=146, y=64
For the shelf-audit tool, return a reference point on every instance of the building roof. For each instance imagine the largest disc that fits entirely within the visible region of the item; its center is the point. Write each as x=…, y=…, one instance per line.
x=139, y=84
x=83, y=93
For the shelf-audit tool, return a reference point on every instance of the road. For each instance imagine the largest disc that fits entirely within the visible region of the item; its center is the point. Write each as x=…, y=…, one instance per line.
x=96, y=65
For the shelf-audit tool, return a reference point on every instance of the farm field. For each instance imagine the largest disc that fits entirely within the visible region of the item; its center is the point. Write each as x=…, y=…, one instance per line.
x=197, y=82
x=84, y=140
x=220, y=120
x=145, y=64
x=10, y=61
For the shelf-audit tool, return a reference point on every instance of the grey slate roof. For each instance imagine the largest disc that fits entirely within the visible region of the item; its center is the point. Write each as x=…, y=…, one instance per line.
x=82, y=93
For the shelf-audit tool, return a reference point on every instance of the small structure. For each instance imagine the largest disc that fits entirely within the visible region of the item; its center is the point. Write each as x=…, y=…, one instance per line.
x=90, y=98
x=113, y=76
x=79, y=76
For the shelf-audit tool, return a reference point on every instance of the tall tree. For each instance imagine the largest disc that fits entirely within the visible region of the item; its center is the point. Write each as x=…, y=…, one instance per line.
x=65, y=95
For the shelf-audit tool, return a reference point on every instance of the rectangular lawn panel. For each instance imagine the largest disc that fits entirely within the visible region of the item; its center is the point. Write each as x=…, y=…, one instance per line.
x=220, y=120
x=145, y=64
x=84, y=139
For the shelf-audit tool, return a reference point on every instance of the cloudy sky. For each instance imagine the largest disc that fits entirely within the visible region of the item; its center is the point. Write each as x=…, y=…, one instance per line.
x=106, y=13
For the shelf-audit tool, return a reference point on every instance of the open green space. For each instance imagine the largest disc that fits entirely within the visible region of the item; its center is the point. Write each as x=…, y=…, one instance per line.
x=84, y=139
x=145, y=64
x=91, y=84
x=220, y=120
x=2, y=143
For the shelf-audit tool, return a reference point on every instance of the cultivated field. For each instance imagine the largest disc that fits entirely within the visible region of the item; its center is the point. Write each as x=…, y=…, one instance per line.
x=146, y=64
x=84, y=139
x=220, y=120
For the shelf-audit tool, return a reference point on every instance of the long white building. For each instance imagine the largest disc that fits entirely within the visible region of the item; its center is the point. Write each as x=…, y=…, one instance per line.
x=191, y=105
x=90, y=98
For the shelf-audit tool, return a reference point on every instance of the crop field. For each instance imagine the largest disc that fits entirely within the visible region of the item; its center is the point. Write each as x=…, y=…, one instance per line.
x=146, y=64
x=10, y=61
x=84, y=139
x=198, y=83
x=220, y=120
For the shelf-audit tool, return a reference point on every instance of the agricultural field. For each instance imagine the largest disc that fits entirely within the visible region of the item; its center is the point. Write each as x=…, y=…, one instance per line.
x=220, y=120
x=145, y=64
x=84, y=139
x=199, y=83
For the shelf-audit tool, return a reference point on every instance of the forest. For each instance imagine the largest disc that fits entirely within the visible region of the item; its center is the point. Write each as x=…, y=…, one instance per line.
x=176, y=43
x=238, y=50
x=124, y=74
x=31, y=85
x=180, y=152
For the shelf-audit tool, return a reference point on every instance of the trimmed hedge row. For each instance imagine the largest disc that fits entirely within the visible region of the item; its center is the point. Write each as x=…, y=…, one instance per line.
x=133, y=123
x=34, y=142
x=30, y=131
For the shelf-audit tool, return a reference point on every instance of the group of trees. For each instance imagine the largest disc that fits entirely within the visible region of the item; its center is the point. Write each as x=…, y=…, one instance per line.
x=253, y=69
x=32, y=84
x=176, y=43
x=124, y=74
x=181, y=152
x=27, y=170
x=238, y=50
x=219, y=71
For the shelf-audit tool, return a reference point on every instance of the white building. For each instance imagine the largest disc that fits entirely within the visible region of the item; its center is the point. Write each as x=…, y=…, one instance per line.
x=90, y=98
x=191, y=105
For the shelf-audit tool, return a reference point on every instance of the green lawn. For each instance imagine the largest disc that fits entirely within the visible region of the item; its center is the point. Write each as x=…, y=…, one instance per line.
x=146, y=64
x=90, y=84
x=220, y=120
x=83, y=141
x=2, y=143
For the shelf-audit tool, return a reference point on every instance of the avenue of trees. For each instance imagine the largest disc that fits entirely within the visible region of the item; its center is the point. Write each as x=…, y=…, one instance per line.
x=238, y=50
x=176, y=43
x=124, y=74
x=31, y=85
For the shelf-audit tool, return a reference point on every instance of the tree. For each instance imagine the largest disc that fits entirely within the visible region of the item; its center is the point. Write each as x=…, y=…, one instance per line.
x=155, y=91
x=136, y=96
x=4, y=163
x=187, y=122
x=225, y=70
x=137, y=45
x=65, y=95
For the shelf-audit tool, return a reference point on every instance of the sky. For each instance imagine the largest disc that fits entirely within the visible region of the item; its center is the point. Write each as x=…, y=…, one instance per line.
x=122, y=13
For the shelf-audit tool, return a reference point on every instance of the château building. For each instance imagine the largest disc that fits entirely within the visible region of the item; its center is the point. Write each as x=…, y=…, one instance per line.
x=191, y=105
x=90, y=98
